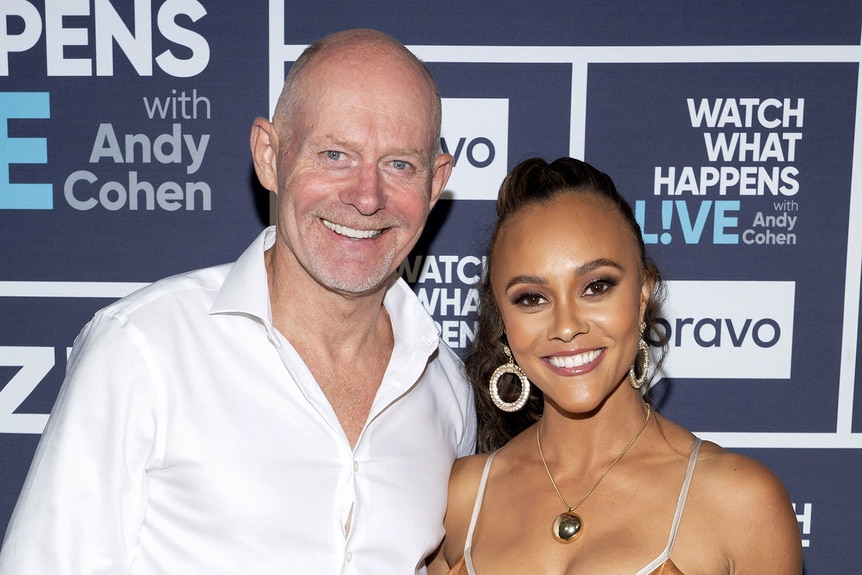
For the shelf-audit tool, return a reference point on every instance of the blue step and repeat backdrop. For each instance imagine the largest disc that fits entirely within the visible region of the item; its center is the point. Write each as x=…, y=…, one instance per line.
x=732, y=128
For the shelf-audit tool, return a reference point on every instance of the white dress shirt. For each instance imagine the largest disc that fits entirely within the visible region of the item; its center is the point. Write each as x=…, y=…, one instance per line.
x=190, y=438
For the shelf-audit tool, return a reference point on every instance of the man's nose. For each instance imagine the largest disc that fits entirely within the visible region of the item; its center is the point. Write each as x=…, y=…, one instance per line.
x=367, y=193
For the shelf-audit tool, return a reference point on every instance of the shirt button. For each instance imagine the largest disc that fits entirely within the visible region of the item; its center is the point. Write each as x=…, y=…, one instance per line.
x=355, y=466
x=348, y=557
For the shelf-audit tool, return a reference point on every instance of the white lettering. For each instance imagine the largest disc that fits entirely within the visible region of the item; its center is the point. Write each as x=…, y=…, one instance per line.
x=448, y=301
x=743, y=180
x=114, y=196
x=443, y=269
x=779, y=147
x=137, y=47
x=721, y=113
x=166, y=148
x=35, y=363
x=768, y=238
x=30, y=34
x=64, y=29
x=198, y=45
x=167, y=107
x=57, y=38
x=784, y=220
x=457, y=334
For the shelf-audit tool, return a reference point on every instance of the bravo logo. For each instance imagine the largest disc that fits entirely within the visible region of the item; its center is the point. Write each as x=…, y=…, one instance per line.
x=22, y=28
x=729, y=330
x=475, y=131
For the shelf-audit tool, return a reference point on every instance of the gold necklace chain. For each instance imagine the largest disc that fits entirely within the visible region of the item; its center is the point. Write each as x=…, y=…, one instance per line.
x=571, y=523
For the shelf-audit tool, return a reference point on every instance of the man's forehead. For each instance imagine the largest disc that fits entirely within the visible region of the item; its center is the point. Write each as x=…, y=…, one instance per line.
x=344, y=105
x=365, y=69
x=393, y=122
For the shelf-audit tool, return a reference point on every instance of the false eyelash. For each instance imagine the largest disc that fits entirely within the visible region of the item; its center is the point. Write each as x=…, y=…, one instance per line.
x=608, y=281
x=520, y=298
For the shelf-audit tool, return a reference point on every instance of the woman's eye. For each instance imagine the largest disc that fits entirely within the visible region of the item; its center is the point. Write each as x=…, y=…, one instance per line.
x=529, y=300
x=599, y=287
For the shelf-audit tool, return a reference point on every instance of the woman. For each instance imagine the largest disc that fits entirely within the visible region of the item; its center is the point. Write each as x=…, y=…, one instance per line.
x=587, y=478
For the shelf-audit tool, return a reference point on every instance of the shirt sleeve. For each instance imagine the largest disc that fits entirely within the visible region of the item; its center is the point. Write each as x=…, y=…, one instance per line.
x=467, y=446
x=82, y=505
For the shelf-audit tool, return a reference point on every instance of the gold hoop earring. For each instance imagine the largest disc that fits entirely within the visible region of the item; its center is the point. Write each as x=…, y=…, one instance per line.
x=643, y=350
x=509, y=367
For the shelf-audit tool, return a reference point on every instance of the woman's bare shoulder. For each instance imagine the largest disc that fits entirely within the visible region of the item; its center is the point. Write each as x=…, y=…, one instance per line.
x=463, y=488
x=738, y=477
x=741, y=491
x=468, y=467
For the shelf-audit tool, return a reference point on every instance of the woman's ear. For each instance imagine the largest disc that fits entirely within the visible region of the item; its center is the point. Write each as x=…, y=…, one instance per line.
x=646, y=294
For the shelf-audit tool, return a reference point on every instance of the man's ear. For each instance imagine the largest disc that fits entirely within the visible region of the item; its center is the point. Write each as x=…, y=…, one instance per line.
x=442, y=170
x=264, y=147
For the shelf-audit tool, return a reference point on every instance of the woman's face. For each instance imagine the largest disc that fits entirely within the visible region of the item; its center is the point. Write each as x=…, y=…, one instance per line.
x=566, y=277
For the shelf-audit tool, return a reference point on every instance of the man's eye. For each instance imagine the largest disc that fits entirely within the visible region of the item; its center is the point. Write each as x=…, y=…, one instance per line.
x=400, y=165
x=333, y=155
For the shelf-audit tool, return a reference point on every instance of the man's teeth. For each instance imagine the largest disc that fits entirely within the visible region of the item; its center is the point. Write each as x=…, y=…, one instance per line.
x=350, y=232
x=574, y=360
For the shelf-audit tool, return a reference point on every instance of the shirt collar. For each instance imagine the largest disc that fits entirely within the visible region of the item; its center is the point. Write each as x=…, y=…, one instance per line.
x=410, y=322
x=245, y=290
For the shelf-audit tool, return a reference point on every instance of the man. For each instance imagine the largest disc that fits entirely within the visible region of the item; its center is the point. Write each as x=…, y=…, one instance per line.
x=293, y=412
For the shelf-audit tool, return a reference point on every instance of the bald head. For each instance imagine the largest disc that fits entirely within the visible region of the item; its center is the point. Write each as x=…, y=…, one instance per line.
x=361, y=50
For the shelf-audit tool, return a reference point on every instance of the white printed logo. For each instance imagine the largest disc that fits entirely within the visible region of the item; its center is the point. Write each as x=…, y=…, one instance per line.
x=476, y=132
x=729, y=329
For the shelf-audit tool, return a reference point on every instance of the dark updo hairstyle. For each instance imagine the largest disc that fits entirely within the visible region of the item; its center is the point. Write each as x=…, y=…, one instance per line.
x=535, y=182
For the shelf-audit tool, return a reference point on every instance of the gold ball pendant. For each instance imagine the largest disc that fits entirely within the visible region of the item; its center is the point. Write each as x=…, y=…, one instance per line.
x=567, y=527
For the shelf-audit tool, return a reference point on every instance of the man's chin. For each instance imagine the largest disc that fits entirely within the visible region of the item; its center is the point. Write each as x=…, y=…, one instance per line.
x=357, y=284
